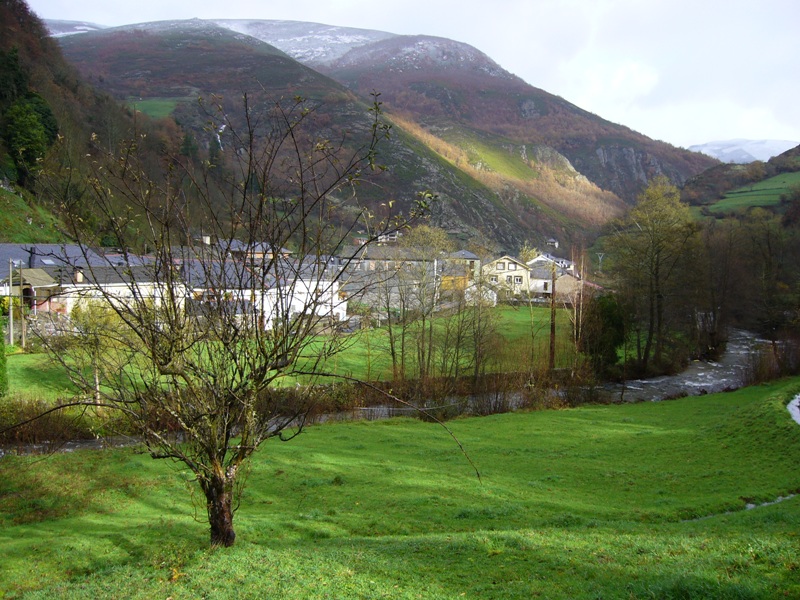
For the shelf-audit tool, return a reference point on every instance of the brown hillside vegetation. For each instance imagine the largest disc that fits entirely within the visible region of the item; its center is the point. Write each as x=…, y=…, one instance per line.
x=571, y=196
x=175, y=61
x=430, y=79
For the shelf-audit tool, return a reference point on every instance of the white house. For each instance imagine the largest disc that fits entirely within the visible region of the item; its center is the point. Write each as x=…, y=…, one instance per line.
x=546, y=260
x=302, y=296
x=284, y=289
x=109, y=284
x=508, y=275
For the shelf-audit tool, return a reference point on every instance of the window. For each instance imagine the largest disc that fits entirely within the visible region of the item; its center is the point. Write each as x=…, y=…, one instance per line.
x=518, y=279
x=545, y=286
x=512, y=266
x=508, y=278
x=501, y=266
x=493, y=279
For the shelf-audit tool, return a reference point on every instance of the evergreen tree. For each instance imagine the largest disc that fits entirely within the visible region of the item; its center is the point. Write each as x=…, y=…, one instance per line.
x=13, y=79
x=25, y=137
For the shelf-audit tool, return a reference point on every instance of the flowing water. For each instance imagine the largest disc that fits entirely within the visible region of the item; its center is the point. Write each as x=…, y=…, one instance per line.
x=700, y=377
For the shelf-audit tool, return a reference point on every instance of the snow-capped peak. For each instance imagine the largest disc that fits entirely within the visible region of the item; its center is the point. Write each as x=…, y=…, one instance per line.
x=744, y=151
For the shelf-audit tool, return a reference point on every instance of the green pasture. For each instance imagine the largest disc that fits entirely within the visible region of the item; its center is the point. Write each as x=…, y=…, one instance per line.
x=157, y=108
x=524, y=333
x=36, y=376
x=764, y=193
x=631, y=501
x=523, y=336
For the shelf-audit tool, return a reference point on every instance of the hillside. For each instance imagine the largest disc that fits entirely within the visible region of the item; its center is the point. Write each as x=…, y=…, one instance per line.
x=713, y=185
x=49, y=117
x=313, y=44
x=509, y=162
x=490, y=188
x=442, y=83
x=185, y=59
x=59, y=28
x=23, y=222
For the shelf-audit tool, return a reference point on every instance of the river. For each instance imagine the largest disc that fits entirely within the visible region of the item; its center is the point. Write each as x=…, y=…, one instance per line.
x=700, y=377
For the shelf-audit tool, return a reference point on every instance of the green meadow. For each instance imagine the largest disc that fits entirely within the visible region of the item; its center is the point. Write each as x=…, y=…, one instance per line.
x=524, y=331
x=157, y=108
x=616, y=501
x=764, y=193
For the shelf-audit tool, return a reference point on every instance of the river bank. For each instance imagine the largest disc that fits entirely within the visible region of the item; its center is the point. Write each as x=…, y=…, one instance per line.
x=699, y=377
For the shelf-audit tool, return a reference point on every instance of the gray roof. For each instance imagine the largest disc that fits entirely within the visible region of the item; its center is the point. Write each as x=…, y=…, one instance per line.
x=101, y=275
x=463, y=255
x=33, y=256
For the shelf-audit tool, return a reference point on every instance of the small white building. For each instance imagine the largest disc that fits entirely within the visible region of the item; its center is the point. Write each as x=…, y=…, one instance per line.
x=507, y=275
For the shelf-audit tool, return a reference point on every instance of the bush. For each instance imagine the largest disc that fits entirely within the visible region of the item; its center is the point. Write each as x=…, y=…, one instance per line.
x=51, y=429
x=772, y=361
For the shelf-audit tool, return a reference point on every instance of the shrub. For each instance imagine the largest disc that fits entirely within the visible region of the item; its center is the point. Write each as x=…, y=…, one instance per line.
x=50, y=429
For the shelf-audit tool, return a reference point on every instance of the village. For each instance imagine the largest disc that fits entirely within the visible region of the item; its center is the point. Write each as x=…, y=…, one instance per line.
x=272, y=284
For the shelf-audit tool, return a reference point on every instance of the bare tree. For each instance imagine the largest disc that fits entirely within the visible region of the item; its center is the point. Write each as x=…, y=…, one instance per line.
x=223, y=285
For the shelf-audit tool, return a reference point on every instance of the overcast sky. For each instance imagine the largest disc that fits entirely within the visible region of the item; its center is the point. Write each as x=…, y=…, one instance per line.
x=683, y=71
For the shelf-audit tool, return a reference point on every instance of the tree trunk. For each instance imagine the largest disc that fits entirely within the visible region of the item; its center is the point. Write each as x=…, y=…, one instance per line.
x=219, y=502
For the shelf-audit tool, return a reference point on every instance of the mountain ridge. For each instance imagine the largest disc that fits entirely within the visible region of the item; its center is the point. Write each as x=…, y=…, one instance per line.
x=631, y=162
x=493, y=146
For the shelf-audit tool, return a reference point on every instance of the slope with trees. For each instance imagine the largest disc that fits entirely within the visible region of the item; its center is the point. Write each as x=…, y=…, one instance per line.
x=442, y=83
x=683, y=282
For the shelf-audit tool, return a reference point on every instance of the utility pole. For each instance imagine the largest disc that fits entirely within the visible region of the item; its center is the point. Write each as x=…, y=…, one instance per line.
x=552, y=364
x=10, y=303
x=21, y=311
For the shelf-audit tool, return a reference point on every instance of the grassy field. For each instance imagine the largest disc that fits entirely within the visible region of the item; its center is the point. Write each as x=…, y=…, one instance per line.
x=36, y=376
x=157, y=108
x=763, y=193
x=633, y=501
x=523, y=331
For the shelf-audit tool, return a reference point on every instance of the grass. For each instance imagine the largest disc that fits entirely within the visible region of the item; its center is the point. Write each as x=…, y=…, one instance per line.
x=26, y=223
x=157, y=108
x=525, y=331
x=491, y=152
x=37, y=376
x=522, y=329
x=765, y=193
x=580, y=503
